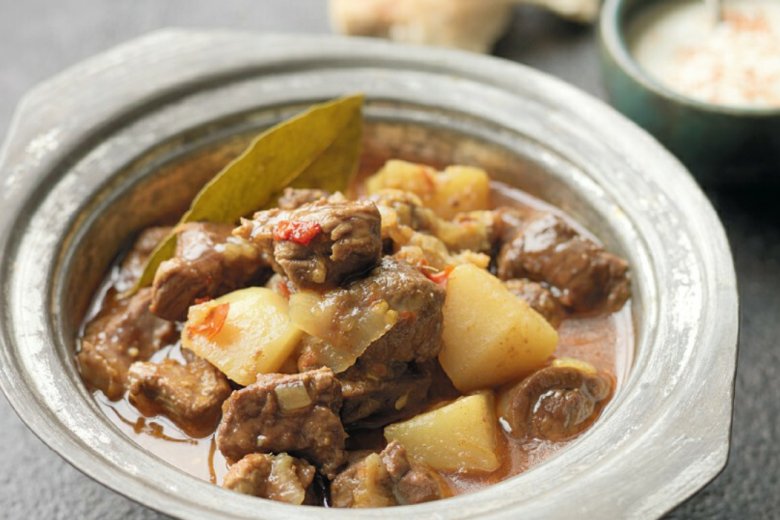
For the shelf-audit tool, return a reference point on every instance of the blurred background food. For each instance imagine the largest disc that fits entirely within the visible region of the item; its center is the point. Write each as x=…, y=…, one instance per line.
x=461, y=24
x=734, y=61
x=705, y=82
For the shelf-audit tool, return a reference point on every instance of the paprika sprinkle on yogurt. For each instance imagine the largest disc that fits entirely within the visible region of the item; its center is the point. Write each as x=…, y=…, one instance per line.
x=734, y=62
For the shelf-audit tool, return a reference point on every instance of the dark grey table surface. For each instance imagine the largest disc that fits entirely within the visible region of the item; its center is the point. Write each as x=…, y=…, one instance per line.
x=39, y=38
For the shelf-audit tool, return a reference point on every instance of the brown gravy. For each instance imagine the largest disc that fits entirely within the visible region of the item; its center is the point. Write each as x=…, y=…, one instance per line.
x=607, y=342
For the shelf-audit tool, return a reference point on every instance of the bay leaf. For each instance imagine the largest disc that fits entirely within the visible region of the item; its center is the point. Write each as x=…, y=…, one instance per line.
x=318, y=148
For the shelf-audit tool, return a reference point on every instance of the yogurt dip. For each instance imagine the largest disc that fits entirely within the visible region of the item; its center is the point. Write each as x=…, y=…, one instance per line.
x=734, y=62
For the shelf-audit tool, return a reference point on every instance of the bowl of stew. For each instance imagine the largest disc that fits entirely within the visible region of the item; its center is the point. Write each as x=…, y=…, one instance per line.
x=519, y=304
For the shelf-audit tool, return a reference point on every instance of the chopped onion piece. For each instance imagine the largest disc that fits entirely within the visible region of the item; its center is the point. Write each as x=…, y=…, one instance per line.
x=346, y=327
x=285, y=482
x=292, y=396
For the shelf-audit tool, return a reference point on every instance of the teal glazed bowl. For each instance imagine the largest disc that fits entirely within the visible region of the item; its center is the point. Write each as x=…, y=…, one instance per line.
x=718, y=144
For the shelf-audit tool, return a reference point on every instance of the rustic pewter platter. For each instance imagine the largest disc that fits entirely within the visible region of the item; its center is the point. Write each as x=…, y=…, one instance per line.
x=125, y=139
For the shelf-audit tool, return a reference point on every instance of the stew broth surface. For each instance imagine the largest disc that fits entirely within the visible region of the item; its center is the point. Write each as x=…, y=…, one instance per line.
x=605, y=341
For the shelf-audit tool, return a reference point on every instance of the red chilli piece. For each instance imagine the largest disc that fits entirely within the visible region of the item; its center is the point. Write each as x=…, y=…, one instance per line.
x=283, y=289
x=407, y=315
x=212, y=323
x=441, y=277
x=299, y=232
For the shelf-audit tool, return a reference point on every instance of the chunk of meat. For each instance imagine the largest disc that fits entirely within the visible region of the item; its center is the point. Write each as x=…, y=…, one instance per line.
x=191, y=395
x=555, y=403
x=209, y=262
x=382, y=377
x=386, y=479
x=319, y=244
x=540, y=299
x=133, y=264
x=582, y=275
x=294, y=198
x=294, y=413
x=372, y=402
x=507, y=221
x=416, y=336
x=412, y=298
x=123, y=332
x=276, y=477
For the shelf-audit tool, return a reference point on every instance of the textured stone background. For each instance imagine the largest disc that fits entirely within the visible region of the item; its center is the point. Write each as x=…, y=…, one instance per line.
x=39, y=38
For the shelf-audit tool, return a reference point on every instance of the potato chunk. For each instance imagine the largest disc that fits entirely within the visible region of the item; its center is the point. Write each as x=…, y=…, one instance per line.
x=243, y=333
x=460, y=436
x=461, y=189
x=490, y=337
x=455, y=190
